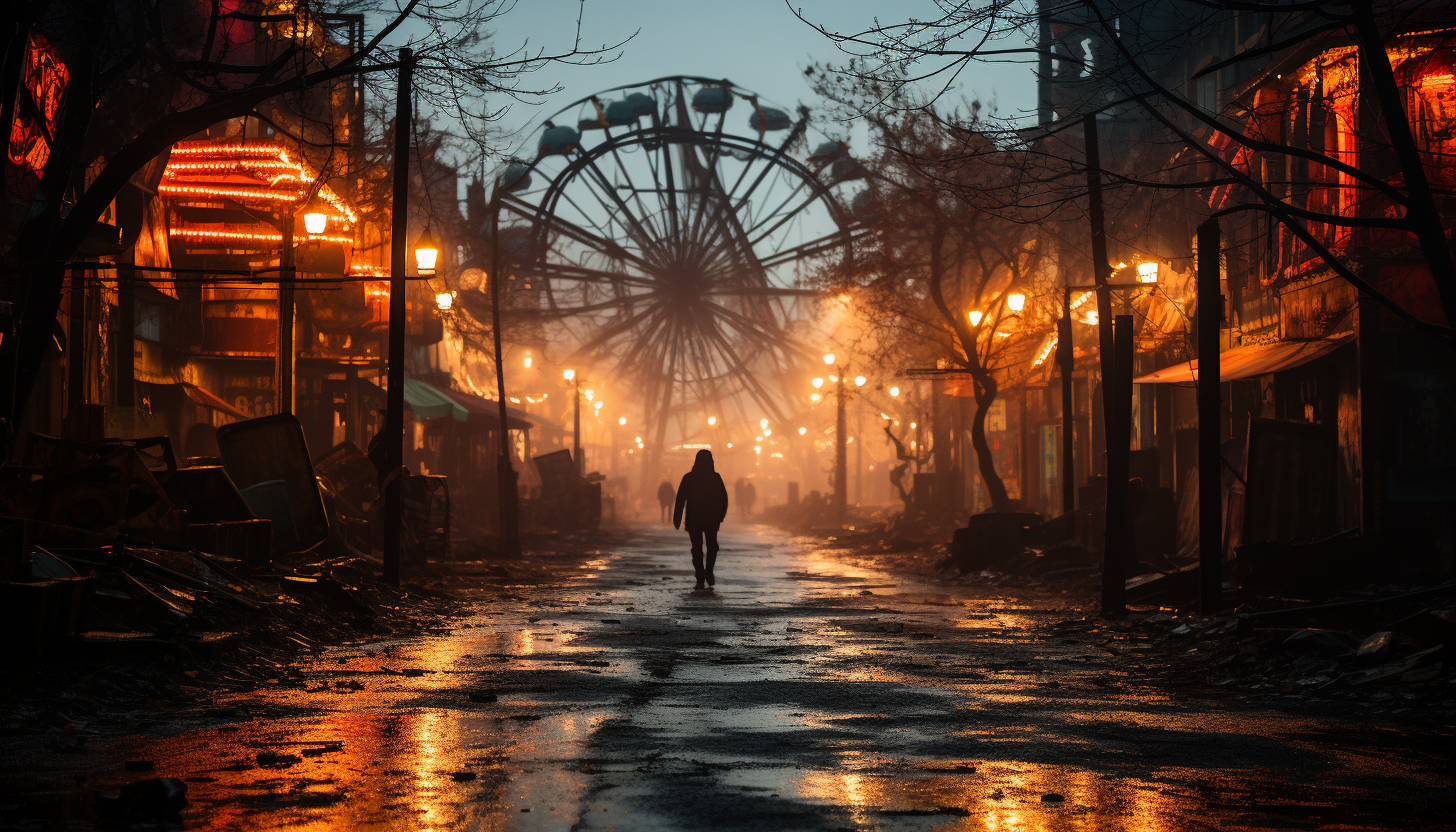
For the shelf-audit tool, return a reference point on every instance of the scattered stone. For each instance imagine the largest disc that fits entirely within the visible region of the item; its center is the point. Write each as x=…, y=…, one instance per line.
x=1052, y=797
x=998, y=794
x=462, y=776
x=1376, y=646
x=413, y=672
x=158, y=800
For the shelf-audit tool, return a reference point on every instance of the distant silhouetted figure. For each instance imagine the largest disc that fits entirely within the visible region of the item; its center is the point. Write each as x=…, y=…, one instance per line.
x=664, y=496
x=749, y=495
x=704, y=496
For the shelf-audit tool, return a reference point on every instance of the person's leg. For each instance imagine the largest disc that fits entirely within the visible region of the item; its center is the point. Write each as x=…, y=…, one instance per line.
x=697, y=541
x=712, y=554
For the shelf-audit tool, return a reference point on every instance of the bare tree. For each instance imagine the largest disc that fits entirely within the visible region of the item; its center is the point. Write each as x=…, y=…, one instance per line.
x=130, y=78
x=942, y=275
x=1129, y=61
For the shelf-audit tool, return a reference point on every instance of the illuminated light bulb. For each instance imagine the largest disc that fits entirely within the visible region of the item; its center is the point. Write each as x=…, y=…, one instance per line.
x=814, y=397
x=622, y=420
x=859, y=381
x=569, y=375
x=444, y=300
x=767, y=432
x=894, y=392
x=885, y=416
x=758, y=438
x=1016, y=301
x=974, y=316
x=427, y=252
x=1148, y=272
x=527, y=362
x=730, y=444
x=834, y=379
x=590, y=394
x=828, y=358
x=712, y=420
x=758, y=449
x=314, y=222
x=913, y=426
x=597, y=406
x=638, y=440
x=763, y=423
x=817, y=382
x=1091, y=319
x=803, y=431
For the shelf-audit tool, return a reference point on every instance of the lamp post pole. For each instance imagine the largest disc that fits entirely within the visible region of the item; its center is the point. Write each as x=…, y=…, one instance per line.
x=576, y=426
x=286, y=359
x=841, y=456
x=1210, y=458
x=392, y=436
x=1066, y=362
x=510, y=536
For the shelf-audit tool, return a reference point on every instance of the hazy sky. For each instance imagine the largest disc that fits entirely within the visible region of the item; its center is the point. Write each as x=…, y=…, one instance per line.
x=757, y=44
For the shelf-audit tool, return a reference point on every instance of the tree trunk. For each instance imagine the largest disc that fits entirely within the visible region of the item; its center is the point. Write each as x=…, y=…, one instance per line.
x=985, y=464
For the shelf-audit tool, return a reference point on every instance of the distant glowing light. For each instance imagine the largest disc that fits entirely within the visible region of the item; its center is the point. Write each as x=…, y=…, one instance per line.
x=569, y=375
x=527, y=362
x=767, y=432
x=817, y=382
x=803, y=431
x=1016, y=301
x=314, y=222
x=828, y=358
x=590, y=394
x=758, y=449
x=894, y=392
x=1148, y=272
x=834, y=379
x=814, y=397
x=763, y=423
x=1091, y=319
x=913, y=426
x=622, y=420
x=597, y=406
x=975, y=316
x=859, y=381
x=444, y=300
x=712, y=420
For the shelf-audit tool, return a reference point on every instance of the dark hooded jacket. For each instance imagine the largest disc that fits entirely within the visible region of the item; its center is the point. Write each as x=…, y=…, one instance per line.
x=704, y=496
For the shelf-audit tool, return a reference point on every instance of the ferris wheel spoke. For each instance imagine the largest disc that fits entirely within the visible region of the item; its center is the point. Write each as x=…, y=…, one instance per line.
x=602, y=244
x=568, y=271
x=648, y=241
x=810, y=249
x=764, y=291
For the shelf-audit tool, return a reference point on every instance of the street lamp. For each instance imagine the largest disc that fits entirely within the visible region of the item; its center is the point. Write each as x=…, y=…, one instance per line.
x=445, y=300
x=427, y=252
x=570, y=375
x=315, y=222
x=829, y=358
x=1016, y=301
x=975, y=316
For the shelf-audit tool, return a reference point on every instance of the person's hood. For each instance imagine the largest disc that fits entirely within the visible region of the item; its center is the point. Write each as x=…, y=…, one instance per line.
x=703, y=461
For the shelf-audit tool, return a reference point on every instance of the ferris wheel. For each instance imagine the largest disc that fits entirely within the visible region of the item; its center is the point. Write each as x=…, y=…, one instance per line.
x=670, y=230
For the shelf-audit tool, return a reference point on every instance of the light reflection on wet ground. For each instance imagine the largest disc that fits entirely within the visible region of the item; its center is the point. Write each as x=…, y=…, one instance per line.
x=804, y=694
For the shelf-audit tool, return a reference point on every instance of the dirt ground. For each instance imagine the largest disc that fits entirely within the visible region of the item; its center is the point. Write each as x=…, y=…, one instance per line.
x=812, y=689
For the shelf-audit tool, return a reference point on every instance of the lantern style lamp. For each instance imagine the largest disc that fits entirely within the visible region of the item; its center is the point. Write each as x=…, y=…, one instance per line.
x=569, y=375
x=974, y=316
x=444, y=300
x=427, y=252
x=315, y=222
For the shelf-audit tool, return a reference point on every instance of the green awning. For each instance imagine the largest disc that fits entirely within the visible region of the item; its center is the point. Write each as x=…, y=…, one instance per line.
x=428, y=403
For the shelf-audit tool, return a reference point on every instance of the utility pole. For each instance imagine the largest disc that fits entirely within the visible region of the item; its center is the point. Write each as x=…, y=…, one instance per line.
x=510, y=533
x=841, y=458
x=1117, y=522
x=393, y=434
x=576, y=426
x=286, y=361
x=1210, y=459
x=1065, y=362
x=1118, y=391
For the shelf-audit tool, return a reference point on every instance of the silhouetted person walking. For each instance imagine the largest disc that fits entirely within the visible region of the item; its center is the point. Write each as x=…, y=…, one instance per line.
x=664, y=496
x=704, y=496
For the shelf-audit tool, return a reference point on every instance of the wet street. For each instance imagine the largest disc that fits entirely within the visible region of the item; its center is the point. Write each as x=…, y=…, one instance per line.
x=803, y=694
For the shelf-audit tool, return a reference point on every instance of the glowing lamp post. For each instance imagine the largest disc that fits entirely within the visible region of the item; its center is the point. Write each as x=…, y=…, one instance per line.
x=427, y=252
x=315, y=222
x=570, y=375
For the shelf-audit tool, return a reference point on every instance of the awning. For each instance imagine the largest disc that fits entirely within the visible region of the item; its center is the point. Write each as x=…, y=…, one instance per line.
x=208, y=400
x=428, y=403
x=487, y=410
x=1246, y=362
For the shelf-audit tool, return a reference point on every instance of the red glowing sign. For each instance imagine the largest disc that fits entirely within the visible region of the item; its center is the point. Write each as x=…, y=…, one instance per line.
x=38, y=105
